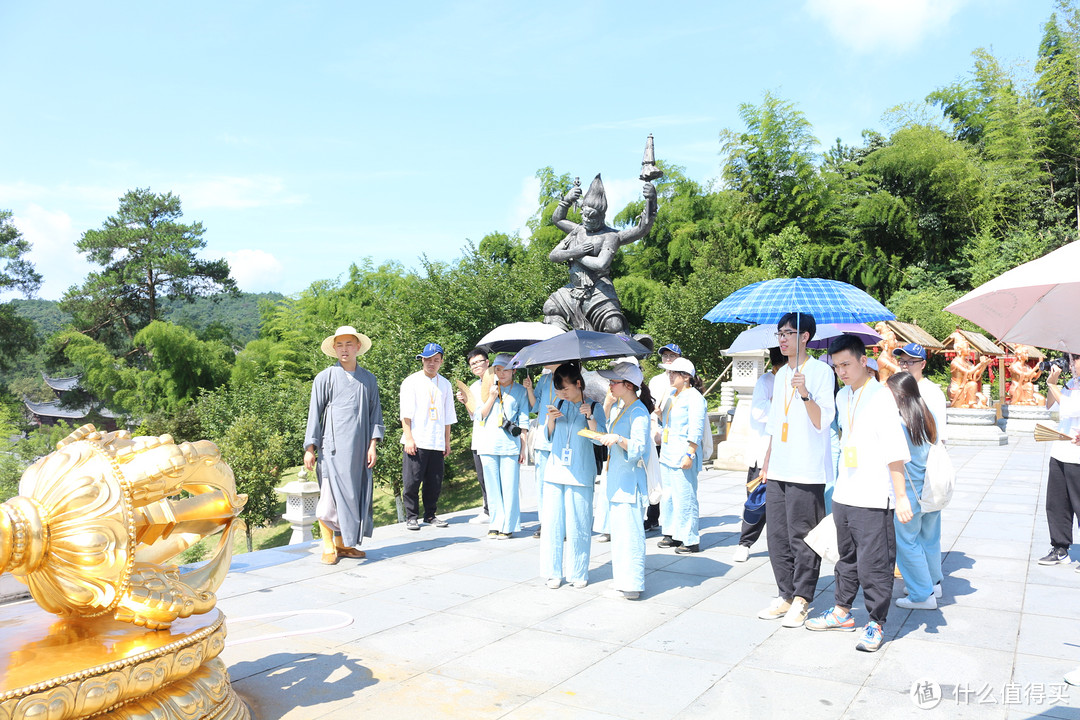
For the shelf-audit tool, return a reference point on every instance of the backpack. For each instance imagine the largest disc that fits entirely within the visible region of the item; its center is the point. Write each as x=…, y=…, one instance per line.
x=940, y=479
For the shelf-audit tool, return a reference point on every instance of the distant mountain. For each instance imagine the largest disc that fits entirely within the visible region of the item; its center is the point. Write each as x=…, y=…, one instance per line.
x=237, y=316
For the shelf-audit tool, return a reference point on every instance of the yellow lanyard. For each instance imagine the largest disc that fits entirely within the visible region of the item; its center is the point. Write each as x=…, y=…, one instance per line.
x=791, y=396
x=853, y=407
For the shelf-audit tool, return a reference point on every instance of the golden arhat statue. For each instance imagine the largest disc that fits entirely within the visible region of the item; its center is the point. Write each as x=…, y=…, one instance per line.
x=90, y=534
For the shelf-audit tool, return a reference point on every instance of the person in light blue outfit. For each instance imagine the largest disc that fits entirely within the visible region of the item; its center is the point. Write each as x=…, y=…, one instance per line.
x=569, y=479
x=505, y=422
x=539, y=399
x=683, y=422
x=918, y=541
x=629, y=443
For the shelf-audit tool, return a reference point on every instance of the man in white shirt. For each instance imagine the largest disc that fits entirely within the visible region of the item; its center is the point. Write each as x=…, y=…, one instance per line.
x=869, y=486
x=1063, y=481
x=427, y=412
x=796, y=468
x=912, y=358
x=759, y=416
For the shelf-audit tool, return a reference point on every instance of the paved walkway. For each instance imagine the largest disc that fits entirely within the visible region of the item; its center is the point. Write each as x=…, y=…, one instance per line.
x=448, y=624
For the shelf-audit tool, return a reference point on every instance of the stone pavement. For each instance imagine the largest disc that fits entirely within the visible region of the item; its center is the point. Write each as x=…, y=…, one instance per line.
x=448, y=624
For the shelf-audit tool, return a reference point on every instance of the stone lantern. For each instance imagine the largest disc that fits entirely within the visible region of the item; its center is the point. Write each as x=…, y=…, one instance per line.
x=301, y=497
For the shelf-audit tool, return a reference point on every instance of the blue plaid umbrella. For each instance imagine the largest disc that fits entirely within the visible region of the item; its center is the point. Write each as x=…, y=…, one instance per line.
x=829, y=301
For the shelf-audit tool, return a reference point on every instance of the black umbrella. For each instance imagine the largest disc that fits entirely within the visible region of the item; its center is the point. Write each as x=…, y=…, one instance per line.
x=579, y=345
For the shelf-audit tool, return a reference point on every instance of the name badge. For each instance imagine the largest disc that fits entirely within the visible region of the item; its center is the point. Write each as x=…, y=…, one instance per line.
x=498, y=419
x=783, y=433
x=433, y=413
x=850, y=458
x=664, y=439
x=566, y=455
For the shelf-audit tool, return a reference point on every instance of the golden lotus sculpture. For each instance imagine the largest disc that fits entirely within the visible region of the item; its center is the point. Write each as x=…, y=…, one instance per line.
x=91, y=534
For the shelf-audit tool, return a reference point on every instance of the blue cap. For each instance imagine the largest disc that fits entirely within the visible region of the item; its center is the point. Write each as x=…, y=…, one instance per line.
x=429, y=350
x=672, y=347
x=915, y=350
x=754, y=509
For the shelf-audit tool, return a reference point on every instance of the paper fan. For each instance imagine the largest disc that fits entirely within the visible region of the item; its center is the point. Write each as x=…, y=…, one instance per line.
x=1045, y=433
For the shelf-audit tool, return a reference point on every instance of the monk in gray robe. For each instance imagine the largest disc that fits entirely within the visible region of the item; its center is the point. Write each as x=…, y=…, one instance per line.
x=343, y=428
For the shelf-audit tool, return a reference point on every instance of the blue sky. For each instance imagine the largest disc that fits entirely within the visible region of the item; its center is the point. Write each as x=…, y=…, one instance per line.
x=307, y=136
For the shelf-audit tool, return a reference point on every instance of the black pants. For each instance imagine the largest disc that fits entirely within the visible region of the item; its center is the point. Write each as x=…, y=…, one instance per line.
x=480, y=477
x=424, y=468
x=752, y=531
x=866, y=544
x=792, y=510
x=1062, y=501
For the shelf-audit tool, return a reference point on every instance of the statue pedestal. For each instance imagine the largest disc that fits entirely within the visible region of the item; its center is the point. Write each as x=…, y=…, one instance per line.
x=734, y=452
x=1020, y=420
x=974, y=427
x=60, y=668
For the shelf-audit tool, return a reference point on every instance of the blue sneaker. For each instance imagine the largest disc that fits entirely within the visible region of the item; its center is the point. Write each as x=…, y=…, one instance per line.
x=871, y=638
x=832, y=621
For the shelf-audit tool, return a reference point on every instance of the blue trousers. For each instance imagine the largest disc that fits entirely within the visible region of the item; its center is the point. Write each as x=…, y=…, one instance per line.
x=627, y=545
x=679, y=508
x=918, y=551
x=501, y=476
x=567, y=512
x=540, y=458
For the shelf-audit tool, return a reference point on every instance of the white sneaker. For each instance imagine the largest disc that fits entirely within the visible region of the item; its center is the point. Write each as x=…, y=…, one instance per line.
x=481, y=519
x=554, y=583
x=1073, y=678
x=937, y=590
x=623, y=594
x=741, y=554
x=907, y=603
x=580, y=584
x=796, y=614
x=777, y=609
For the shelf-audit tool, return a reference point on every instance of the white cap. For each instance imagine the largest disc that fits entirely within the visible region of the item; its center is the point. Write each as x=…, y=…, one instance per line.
x=680, y=364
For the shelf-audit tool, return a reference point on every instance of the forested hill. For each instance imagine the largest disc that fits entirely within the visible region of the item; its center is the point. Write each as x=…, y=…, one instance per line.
x=238, y=316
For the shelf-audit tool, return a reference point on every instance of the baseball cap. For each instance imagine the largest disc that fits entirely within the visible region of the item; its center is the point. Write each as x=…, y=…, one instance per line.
x=627, y=371
x=680, y=364
x=915, y=350
x=672, y=347
x=429, y=350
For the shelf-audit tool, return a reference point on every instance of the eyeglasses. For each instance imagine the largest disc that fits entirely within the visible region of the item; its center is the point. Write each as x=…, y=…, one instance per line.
x=615, y=382
x=785, y=334
x=909, y=363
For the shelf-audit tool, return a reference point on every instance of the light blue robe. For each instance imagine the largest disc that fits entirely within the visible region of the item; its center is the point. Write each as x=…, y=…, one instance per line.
x=568, y=495
x=627, y=493
x=545, y=395
x=499, y=453
x=683, y=422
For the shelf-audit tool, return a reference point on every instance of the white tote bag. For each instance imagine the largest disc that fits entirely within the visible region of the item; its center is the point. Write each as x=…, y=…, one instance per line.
x=822, y=539
x=940, y=479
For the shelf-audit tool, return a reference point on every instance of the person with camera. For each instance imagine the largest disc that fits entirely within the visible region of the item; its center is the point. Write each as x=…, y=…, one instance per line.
x=1063, y=480
x=569, y=479
x=504, y=415
x=683, y=419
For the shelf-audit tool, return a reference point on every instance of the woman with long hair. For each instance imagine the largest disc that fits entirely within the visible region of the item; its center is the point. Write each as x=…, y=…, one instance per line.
x=683, y=422
x=569, y=479
x=629, y=445
x=918, y=541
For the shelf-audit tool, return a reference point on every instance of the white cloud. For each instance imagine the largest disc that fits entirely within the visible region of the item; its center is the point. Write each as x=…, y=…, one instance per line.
x=255, y=270
x=866, y=25
x=235, y=192
x=52, y=237
x=525, y=205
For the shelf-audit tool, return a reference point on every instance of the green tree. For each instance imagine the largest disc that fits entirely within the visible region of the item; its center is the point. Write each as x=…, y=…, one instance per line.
x=145, y=254
x=257, y=455
x=1058, y=94
x=18, y=274
x=774, y=165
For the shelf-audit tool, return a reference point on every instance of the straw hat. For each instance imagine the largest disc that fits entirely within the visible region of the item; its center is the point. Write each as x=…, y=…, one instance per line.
x=328, y=344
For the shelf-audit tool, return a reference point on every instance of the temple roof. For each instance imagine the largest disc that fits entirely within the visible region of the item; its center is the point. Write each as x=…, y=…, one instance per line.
x=910, y=333
x=61, y=384
x=53, y=409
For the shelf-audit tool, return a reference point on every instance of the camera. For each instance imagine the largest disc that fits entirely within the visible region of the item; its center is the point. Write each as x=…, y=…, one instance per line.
x=1061, y=362
x=511, y=428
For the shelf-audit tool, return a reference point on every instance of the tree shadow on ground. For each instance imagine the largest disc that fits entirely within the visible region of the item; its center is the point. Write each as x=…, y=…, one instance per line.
x=298, y=680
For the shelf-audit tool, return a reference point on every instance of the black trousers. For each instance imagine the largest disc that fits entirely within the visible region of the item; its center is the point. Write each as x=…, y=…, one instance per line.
x=652, y=513
x=791, y=511
x=1062, y=501
x=866, y=544
x=480, y=477
x=424, y=468
x=751, y=532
